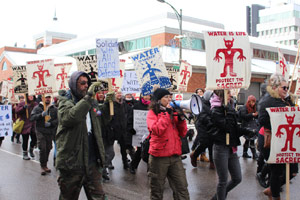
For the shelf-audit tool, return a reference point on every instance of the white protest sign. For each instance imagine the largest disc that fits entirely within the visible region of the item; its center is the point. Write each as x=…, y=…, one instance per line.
x=184, y=76
x=228, y=60
x=61, y=72
x=4, y=89
x=41, y=75
x=150, y=70
x=130, y=83
x=285, y=141
x=117, y=83
x=140, y=126
x=88, y=64
x=5, y=120
x=297, y=89
x=108, y=58
x=12, y=98
x=282, y=66
x=20, y=79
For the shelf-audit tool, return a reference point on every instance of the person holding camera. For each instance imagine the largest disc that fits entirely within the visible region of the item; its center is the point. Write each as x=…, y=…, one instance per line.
x=166, y=127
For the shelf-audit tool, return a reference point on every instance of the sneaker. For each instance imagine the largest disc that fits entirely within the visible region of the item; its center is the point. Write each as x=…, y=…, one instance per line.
x=110, y=166
x=203, y=158
x=183, y=157
x=193, y=159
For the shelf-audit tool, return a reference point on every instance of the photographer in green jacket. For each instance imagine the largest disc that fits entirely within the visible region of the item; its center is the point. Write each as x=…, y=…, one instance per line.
x=80, y=149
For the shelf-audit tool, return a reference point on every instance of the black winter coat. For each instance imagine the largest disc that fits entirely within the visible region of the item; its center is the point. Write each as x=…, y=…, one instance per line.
x=203, y=123
x=248, y=120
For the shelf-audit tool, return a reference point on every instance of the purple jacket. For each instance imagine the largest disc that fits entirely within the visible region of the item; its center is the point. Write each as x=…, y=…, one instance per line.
x=21, y=111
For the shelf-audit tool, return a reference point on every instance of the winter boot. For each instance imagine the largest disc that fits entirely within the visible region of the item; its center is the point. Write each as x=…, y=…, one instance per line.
x=203, y=158
x=31, y=152
x=246, y=155
x=268, y=193
x=25, y=155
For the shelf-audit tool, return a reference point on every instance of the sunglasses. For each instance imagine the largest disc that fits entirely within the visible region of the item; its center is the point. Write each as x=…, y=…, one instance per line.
x=83, y=82
x=285, y=88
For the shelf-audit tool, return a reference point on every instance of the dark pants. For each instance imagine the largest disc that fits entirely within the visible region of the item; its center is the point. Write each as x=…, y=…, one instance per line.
x=71, y=181
x=123, y=148
x=136, y=158
x=201, y=149
x=226, y=161
x=171, y=168
x=25, y=138
x=44, y=143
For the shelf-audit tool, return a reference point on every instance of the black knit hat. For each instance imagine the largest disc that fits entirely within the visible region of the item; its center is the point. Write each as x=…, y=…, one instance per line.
x=160, y=93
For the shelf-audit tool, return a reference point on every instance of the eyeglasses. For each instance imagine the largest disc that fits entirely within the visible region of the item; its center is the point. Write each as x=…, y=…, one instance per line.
x=285, y=88
x=83, y=82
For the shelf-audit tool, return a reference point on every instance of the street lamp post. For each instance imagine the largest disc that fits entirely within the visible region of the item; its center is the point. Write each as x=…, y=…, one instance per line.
x=179, y=18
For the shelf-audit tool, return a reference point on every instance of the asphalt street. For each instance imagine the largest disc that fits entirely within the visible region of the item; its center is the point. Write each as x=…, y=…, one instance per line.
x=21, y=180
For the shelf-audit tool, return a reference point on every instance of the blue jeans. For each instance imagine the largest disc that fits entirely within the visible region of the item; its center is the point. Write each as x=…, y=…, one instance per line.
x=225, y=160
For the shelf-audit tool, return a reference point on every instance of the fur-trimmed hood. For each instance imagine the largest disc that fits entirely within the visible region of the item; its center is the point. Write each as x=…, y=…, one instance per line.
x=274, y=93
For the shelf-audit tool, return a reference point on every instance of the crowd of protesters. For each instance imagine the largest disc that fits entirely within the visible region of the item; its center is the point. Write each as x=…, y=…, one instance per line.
x=84, y=132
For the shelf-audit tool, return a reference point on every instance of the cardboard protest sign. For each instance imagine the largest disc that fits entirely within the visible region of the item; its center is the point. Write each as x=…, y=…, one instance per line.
x=118, y=82
x=130, y=83
x=184, y=76
x=108, y=58
x=4, y=89
x=20, y=79
x=282, y=66
x=173, y=76
x=150, y=70
x=61, y=72
x=41, y=75
x=228, y=60
x=140, y=126
x=297, y=89
x=12, y=98
x=285, y=141
x=5, y=120
x=88, y=64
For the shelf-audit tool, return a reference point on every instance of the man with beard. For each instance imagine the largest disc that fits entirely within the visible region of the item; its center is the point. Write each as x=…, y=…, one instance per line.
x=80, y=149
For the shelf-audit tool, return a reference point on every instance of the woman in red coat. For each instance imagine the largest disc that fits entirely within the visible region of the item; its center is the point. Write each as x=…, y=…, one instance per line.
x=165, y=127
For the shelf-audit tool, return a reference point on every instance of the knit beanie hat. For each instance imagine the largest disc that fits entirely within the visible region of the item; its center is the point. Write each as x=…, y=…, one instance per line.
x=160, y=93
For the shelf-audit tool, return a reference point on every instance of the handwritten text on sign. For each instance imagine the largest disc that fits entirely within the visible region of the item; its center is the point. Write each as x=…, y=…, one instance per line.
x=140, y=126
x=108, y=58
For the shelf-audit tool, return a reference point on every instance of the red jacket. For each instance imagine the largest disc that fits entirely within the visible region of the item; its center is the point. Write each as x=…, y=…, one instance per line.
x=165, y=134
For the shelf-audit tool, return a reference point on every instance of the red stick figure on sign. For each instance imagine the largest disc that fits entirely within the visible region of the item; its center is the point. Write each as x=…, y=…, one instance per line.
x=185, y=73
x=283, y=67
x=114, y=79
x=289, y=128
x=63, y=75
x=40, y=74
x=229, y=55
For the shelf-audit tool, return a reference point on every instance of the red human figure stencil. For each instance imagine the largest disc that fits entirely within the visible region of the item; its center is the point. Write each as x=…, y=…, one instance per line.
x=185, y=73
x=40, y=74
x=229, y=55
x=12, y=93
x=113, y=80
x=289, y=128
x=63, y=75
x=283, y=67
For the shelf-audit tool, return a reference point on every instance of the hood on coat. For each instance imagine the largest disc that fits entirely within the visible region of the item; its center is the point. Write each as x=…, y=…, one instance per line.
x=274, y=93
x=73, y=82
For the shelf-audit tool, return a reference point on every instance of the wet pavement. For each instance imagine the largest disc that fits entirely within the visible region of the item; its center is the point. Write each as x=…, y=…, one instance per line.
x=21, y=180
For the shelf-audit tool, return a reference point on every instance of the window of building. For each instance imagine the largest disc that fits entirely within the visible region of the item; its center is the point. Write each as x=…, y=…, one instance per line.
x=4, y=66
x=92, y=52
x=285, y=29
x=276, y=30
x=140, y=43
x=267, y=32
x=193, y=43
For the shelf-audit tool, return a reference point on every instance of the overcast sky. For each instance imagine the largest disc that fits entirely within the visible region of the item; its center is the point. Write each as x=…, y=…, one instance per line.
x=21, y=19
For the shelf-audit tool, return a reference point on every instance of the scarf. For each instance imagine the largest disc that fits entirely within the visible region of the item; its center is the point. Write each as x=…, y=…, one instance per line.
x=215, y=101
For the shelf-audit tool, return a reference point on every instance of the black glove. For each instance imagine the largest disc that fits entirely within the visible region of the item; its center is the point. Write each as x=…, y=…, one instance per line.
x=25, y=106
x=47, y=124
x=44, y=113
x=133, y=132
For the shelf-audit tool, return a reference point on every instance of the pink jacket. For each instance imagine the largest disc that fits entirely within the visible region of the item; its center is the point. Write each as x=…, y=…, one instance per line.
x=165, y=134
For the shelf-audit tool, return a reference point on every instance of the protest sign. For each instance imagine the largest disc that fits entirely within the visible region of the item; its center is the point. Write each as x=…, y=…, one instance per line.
x=117, y=83
x=184, y=76
x=150, y=70
x=228, y=60
x=88, y=64
x=140, y=126
x=108, y=58
x=5, y=120
x=297, y=89
x=12, y=98
x=20, y=79
x=285, y=141
x=41, y=74
x=61, y=72
x=282, y=66
x=4, y=88
x=130, y=83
